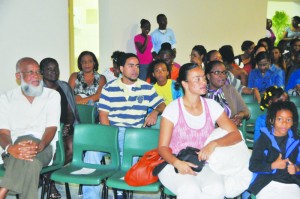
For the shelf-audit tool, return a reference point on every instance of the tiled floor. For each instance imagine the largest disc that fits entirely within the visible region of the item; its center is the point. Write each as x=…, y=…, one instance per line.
x=74, y=193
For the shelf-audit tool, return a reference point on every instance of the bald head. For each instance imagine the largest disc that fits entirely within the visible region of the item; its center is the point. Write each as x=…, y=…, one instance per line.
x=23, y=62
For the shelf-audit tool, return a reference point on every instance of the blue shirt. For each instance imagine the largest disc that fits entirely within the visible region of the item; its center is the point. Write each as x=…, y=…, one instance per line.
x=293, y=80
x=128, y=108
x=159, y=38
x=256, y=80
x=259, y=123
x=279, y=72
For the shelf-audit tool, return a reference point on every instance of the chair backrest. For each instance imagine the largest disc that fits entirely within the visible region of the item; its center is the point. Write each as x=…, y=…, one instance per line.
x=295, y=99
x=86, y=113
x=138, y=141
x=95, y=137
x=157, y=125
x=60, y=149
x=249, y=125
x=248, y=98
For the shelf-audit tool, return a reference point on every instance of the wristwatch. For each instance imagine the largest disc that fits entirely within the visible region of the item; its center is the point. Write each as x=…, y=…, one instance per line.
x=6, y=148
x=5, y=153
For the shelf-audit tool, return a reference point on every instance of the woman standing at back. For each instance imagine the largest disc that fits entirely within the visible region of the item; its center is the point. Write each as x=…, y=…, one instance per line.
x=87, y=83
x=143, y=45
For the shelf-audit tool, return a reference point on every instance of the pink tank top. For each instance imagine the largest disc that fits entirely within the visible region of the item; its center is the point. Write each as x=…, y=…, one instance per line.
x=184, y=136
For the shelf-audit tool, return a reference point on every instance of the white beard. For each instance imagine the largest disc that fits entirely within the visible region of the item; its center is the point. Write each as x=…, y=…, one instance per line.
x=30, y=90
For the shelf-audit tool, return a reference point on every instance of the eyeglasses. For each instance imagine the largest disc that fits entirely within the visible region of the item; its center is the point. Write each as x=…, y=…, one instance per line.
x=31, y=73
x=217, y=72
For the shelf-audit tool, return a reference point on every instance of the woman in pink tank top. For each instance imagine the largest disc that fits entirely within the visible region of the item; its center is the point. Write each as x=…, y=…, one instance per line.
x=189, y=121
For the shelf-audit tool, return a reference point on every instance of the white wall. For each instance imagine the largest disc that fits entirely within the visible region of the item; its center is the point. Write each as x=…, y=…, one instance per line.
x=210, y=23
x=39, y=28
x=32, y=28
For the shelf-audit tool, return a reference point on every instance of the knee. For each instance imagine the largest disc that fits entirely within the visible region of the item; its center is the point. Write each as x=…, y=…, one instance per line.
x=215, y=190
x=189, y=188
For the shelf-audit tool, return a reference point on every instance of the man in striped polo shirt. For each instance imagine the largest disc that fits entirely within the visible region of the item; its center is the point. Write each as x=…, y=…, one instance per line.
x=124, y=103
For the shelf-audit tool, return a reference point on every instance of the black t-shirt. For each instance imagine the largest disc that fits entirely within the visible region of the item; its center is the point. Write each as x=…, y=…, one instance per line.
x=64, y=106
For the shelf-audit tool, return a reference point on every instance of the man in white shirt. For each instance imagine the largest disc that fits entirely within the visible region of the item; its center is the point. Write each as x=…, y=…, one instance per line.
x=29, y=119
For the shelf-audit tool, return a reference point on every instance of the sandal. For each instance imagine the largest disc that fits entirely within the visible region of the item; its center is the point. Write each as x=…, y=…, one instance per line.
x=54, y=192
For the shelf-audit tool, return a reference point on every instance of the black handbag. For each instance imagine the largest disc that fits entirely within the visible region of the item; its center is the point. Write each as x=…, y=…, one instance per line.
x=189, y=154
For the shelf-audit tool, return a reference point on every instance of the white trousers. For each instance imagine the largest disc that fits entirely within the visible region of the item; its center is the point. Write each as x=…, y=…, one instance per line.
x=206, y=185
x=277, y=190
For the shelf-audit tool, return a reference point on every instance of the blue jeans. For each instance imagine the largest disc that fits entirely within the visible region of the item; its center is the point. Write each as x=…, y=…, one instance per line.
x=93, y=157
x=143, y=71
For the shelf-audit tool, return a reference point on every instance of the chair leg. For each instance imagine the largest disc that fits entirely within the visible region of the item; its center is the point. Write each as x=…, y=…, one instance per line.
x=67, y=191
x=104, y=191
x=80, y=190
x=131, y=194
x=49, y=189
x=115, y=193
x=43, y=188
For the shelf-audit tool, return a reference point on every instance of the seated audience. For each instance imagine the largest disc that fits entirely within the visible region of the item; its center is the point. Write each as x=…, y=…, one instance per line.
x=277, y=59
x=214, y=55
x=226, y=95
x=164, y=87
x=293, y=85
x=265, y=42
x=113, y=72
x=188, y=121
x=257, y=49
x=228, y=58
x=29, y=120
x=294, y=62
x=124, y=103
x=87, y=83
x=263, y=77
x=293, y=31
x=244, y=60
x=275, y=159
x=68, y=114
x=272, y=94
x=198, y=55
x=168, y=55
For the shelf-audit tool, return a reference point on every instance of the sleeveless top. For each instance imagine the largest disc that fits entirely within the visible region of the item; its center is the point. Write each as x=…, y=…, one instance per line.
x=183, y=135
x=81, y=86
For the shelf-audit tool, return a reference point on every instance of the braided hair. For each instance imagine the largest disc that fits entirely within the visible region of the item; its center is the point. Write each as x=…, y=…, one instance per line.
x=277, y=106
x=270, y=94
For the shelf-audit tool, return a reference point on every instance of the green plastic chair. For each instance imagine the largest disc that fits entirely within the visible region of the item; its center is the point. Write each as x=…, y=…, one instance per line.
x=248, y=126
x=57, y=163
x=248, y=98
x=90, y=137
x=86, y=113
x=295, y=99
x=137, y=141
x=166, y=193
x=157, y=125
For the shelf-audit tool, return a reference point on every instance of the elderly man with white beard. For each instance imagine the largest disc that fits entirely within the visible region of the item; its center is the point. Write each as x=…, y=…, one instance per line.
x=29, y=119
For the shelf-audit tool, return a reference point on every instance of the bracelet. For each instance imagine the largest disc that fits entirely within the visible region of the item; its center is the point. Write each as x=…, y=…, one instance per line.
x=5, y=150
